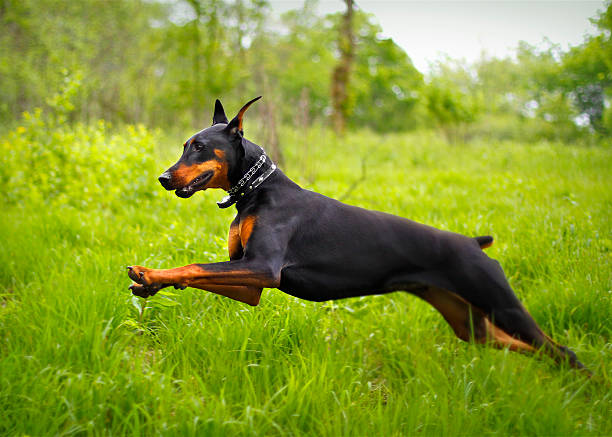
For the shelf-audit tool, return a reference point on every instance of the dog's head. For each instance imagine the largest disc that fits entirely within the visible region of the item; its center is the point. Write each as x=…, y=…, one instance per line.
x=209, y=157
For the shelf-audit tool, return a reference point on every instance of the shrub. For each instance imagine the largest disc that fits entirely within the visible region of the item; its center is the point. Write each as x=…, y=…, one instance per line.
x=78, y=165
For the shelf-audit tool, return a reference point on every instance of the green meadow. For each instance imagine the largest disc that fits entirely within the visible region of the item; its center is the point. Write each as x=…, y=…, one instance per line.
x=80, y=356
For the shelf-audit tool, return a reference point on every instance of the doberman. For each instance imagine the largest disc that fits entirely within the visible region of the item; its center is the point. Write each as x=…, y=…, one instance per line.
x=317, y=248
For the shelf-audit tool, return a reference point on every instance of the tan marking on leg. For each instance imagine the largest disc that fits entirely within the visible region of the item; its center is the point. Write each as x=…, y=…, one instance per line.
x=192, y=276
x=179, y=275
x=186, y=275
x=456, y=311
x=470, y=323
x=501, y=339
x=234, y=245
x=248, y=295
x=246, y=229
x=242, y=285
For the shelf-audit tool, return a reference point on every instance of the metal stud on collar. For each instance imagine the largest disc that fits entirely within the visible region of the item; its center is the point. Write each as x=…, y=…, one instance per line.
x=248, y=175
x=236, y=192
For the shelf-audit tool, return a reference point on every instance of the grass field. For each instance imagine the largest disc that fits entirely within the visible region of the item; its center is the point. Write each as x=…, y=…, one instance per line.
x=79, y=355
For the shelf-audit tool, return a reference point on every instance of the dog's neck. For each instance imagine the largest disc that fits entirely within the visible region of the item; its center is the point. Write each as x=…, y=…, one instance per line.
x=252, y=153
x=276, y=184
x=253, y=170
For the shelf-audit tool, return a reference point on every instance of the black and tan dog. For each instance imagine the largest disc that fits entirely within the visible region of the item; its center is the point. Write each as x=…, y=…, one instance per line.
x=318, y=249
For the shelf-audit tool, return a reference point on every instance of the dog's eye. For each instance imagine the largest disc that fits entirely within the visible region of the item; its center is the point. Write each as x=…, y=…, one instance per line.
x=198, y=146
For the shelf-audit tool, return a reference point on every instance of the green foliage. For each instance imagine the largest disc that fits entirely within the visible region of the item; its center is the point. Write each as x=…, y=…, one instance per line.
x=449, y=108
x=386, y=86
x=160, y=62
x=79, y=355
x=504, y=98
x=109, y=47
x=302, y=63
x=588, y=73
x=49, y=164
x=61, y=103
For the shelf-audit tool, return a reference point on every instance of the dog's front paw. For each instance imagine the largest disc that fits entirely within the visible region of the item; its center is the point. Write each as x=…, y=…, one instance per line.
x=150, y=281
x=144, y=290
x=139, y=274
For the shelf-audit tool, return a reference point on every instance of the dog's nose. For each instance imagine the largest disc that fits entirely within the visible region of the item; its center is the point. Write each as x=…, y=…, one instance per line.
x=166, y=180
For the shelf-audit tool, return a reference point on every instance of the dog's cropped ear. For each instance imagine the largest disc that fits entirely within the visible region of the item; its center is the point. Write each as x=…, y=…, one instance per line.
x=219, y=115
x=234, y=127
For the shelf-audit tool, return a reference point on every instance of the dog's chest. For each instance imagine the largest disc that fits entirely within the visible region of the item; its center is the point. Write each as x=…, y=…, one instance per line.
x=239, y=235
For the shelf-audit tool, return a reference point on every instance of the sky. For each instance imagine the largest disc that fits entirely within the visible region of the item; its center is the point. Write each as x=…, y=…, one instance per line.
x=427, y=29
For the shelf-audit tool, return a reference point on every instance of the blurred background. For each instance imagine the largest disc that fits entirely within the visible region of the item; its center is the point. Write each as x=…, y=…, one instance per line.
x=163, y=62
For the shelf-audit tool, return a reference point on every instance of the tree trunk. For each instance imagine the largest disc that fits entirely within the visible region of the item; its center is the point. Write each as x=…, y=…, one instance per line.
x=342, y=72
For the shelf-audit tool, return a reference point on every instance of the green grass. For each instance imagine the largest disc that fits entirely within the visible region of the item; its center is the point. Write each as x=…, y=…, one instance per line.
x=79, y=356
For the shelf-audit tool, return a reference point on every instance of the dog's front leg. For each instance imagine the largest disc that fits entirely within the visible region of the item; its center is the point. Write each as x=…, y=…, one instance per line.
x=240, y=280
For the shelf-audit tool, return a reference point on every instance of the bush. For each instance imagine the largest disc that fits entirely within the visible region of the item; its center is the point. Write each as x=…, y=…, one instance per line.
x=96, y=168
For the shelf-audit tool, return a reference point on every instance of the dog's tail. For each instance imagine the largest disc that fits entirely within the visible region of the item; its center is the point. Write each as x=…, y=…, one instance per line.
x=484, y=241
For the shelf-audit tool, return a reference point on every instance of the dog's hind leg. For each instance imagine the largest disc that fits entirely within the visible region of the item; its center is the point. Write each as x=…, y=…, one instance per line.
x=481, y=284
x=470, y=323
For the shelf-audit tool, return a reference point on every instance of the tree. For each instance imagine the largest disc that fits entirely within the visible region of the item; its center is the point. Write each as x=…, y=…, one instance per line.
x=449, y=108
x=342, y=73
x=386, y=87
x=588, y=72
x=301, y=63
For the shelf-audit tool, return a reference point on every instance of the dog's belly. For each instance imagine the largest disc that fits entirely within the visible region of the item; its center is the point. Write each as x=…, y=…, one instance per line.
x=318, y=284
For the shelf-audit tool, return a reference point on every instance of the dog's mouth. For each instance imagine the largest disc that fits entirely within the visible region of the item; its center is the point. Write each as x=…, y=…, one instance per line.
x=195, y=185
